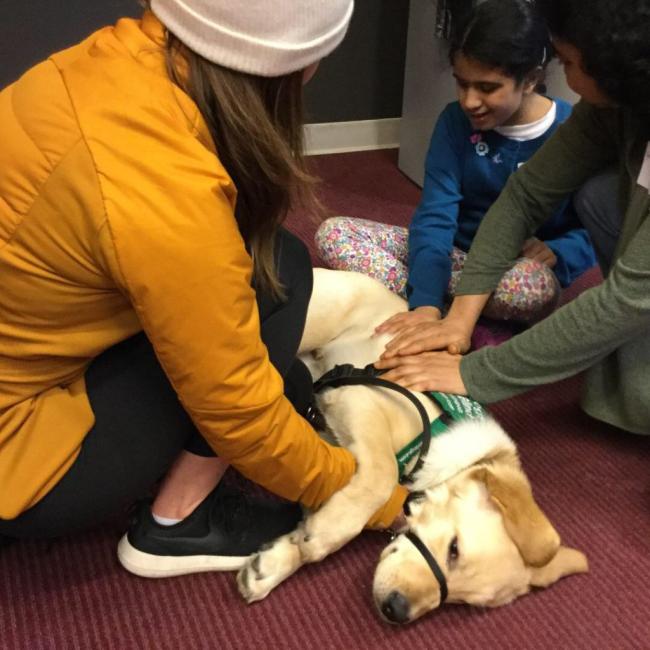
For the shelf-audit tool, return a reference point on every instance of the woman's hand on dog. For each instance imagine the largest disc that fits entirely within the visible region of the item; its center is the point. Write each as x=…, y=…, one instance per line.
x=439, y=371
x=450, y=334
x=404, y=320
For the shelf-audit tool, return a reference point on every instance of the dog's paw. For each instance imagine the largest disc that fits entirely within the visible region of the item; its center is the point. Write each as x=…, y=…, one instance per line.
x=320, y=538
x=268, y=568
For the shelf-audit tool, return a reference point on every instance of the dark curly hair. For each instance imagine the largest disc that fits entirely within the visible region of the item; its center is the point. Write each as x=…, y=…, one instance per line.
x=613, y=37
x=506, y=34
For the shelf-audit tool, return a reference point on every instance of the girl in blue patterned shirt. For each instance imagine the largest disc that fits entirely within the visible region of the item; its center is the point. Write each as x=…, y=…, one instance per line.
x=497, y=124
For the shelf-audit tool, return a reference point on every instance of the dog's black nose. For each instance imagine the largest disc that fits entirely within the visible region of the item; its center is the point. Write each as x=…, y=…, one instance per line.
x=396, y=608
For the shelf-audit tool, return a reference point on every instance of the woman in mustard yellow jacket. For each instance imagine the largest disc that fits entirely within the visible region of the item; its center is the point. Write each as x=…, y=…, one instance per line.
x=150, y=304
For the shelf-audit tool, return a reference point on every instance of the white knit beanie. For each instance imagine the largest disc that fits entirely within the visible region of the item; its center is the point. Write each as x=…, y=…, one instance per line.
x=263, y=37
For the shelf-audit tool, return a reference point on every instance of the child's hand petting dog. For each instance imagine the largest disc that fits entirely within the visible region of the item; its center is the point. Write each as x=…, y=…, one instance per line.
x=450, y=334
x=403, y=320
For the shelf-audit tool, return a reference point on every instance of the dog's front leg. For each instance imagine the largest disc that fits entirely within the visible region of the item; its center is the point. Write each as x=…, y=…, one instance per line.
x=337, y=522
x=272, y=564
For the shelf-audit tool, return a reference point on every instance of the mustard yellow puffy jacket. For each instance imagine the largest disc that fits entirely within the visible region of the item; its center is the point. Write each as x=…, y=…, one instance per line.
x=115, y=217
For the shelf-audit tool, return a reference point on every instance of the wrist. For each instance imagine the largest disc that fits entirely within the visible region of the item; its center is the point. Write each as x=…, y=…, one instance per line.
x=429, y=310
x=465, y=310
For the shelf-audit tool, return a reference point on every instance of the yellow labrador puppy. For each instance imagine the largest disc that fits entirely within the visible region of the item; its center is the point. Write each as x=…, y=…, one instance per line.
x=473, y=531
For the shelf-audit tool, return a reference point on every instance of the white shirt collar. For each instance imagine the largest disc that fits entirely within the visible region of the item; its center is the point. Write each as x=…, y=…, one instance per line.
x=523, y=132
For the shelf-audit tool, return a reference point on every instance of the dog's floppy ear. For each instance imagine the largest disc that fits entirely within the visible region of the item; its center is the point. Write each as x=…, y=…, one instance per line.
x=527, y=525
x=565, y=562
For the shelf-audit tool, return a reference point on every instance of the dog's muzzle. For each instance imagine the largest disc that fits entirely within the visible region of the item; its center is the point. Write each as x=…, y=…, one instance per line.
x=396, y=607
x=431, y=561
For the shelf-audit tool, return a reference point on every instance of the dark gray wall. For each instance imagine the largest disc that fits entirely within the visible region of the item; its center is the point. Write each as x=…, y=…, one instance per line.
x=361, y=80
x=30, y=30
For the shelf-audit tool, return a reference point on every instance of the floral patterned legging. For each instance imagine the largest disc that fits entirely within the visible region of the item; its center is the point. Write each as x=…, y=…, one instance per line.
x=528, y=292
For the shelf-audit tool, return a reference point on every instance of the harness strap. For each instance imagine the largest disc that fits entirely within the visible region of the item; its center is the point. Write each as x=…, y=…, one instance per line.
x=438, y=426
x=453, y=408
x=431, y=561
x=348, y=375
x=343, y=375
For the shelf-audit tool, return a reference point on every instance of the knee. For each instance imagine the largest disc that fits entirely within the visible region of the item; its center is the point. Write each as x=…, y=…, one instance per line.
x=596, y=193
x=540, y=290
x=583, y=199
x=291, y=247
x=293, y=262
x=528, y=293
x=330, y=230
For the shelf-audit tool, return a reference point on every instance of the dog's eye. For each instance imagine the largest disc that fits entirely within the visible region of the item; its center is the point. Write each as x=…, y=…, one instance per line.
x=453, y=552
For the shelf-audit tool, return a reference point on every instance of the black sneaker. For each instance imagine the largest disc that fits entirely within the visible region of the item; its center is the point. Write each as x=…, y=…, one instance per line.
x=220, y=535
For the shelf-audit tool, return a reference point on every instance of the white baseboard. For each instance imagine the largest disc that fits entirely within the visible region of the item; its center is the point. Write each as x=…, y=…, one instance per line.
x=362, y=135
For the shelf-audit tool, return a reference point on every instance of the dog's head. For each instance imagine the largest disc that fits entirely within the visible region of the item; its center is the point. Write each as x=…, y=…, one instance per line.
x=488, y=536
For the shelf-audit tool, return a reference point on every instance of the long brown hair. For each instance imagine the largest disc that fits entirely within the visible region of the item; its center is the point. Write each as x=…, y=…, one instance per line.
x=257, y=127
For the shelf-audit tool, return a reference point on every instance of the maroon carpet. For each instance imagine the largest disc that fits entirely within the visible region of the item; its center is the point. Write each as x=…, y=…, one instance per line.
x=591, y=479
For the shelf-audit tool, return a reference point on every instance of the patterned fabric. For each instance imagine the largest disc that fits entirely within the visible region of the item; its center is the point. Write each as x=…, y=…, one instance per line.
x=526, y=293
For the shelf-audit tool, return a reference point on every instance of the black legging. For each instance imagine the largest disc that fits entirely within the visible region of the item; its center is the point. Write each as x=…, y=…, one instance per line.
x=140, y=426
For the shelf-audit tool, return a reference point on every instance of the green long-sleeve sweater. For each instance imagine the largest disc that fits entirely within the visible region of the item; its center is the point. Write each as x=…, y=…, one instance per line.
x=606, y=330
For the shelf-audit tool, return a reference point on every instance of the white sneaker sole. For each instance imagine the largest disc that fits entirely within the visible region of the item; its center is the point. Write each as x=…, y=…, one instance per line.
x=148, y=565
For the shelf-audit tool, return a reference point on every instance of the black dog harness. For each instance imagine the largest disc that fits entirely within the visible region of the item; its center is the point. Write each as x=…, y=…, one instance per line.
x=348, y=375
x=453, y=408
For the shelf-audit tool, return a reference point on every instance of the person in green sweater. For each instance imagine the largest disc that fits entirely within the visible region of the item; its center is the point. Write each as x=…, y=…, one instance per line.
x=604, y=48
